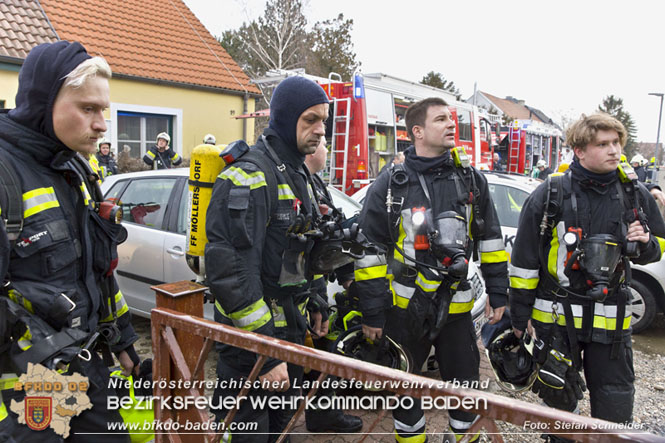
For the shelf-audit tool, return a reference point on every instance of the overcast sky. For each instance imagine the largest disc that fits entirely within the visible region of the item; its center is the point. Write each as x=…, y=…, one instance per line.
x=560, y=56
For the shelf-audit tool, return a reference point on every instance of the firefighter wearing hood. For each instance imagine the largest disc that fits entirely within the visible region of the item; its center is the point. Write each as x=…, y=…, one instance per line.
x=255, y=258
x=430, y=213
x=59, y=288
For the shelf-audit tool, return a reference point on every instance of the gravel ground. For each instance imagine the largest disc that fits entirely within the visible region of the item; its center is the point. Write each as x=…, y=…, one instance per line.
x=648, y=412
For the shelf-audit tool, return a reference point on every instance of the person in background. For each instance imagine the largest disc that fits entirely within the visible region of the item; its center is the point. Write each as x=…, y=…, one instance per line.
x=543, y=170
x=496, y=165
x=107, y=165
x=637, y=163
x=161, y=155
x=209, y=139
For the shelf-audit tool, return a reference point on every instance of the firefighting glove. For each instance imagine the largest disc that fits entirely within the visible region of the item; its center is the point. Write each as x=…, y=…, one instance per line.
x=420, y=314
x=317, y=303
x=558, y=382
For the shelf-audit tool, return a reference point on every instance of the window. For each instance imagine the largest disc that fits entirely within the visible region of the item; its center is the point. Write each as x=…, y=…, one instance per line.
x=183, y=212
x=464, y=126
x=144, y=202
x=138, y=131
x=508, y=202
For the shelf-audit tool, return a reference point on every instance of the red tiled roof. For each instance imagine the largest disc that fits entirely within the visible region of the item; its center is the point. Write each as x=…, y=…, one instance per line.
x=512, y=109
x=22, y=26
x=154, y=39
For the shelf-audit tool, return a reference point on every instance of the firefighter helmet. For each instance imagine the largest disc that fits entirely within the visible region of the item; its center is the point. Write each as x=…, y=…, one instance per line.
x=386, y=352
x=165, y=136
x=512, y=363
x=209, y=139
x=541, y=163
x=637, y=158
x=103, y=141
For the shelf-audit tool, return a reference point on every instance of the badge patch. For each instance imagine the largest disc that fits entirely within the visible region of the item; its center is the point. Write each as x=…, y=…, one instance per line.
x=38, y=412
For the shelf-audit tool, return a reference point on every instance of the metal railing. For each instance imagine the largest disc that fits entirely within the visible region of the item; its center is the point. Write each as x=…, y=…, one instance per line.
x=182, y=339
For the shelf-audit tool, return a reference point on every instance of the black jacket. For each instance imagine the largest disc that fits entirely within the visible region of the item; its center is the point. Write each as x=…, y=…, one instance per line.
x=246, y=227
x=599, y=212
x=64, y=246
x=162, y=160
x=107, y=165
x=449, y=189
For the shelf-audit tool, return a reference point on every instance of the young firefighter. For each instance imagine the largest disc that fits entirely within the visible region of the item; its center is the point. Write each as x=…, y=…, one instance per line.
x=161, y=155
x=570, y=271
x=439, y=209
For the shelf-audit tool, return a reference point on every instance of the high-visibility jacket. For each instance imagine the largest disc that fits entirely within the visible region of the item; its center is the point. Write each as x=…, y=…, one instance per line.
x=390, y=279
x=599, y=212
x=58, y=266
x=246, y=225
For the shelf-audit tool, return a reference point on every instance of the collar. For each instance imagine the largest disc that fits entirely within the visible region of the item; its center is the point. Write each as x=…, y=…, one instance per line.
x=426, y=164
x=590, y=179
x=288, y=154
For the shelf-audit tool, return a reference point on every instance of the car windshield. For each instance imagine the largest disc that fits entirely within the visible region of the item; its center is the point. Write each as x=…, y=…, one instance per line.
x=508, y=202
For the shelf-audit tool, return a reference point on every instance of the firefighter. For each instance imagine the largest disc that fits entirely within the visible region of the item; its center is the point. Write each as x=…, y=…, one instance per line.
x=256, y=224
x=59, y=299
x=209, y=139
x=571, y=291
x=161, y=155
x=106, y=162
x=543, y=170
x=430, y=214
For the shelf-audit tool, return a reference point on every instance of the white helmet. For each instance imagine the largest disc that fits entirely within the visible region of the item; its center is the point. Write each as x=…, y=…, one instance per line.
x=637, y=158
x=209, y=139
x=103, y=141
x=541, y=163
x=165, y=136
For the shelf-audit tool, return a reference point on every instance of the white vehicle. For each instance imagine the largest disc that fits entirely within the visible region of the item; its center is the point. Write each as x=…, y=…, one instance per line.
x=509, y=192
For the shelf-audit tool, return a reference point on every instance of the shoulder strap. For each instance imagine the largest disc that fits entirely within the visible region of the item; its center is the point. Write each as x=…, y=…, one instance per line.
x=11, y=200
x=256, y=157
x=398, y=189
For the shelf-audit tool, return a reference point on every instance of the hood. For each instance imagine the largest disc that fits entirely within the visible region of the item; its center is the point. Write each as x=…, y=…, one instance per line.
x=291, y=98
x=285, y=152
x=39, y=81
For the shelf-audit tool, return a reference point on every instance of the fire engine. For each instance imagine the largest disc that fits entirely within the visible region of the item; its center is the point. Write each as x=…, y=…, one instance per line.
x=367, y=127
x=526, y=142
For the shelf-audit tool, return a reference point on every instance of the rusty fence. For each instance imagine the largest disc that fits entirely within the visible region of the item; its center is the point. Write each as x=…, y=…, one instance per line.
x=182, y=340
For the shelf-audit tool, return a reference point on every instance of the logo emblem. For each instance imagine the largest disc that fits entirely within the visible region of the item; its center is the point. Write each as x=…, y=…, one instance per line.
x=38, y=412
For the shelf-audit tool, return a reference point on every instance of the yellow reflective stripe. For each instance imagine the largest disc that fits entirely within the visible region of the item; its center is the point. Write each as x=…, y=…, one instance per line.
x=427, y=285
x=600, y=322
x=284, y=192
x=86, y=194
x=250, y=318
x=404, y=241
x=3, y=409
x=401, y=293
x=420, y=438
x=240, y=178
x=17, y=298
x=493, y=257
x=371, y=272
x=7, y=381
x=120, y=307
x=558, y=254
x=38, y=200
x=25, y=341
x=151, y=155
x=661, y=243
x=524, y=283
x=458, y=308
x=175, y=157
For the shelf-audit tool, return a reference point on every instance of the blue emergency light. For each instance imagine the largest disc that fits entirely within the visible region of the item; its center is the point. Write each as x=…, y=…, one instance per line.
x=358, y=86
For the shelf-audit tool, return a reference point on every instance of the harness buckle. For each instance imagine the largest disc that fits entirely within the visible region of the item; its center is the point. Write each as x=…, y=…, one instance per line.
x=13, y=228
x=84, y=355
x=555, y=314
x=72, y=304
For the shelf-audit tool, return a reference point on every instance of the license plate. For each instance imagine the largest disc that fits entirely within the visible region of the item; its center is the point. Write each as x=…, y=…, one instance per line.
x=479, y=322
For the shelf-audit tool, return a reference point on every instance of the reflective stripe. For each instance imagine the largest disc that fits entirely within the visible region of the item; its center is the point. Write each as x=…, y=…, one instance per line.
x=461, y=425
x=604, y=315
x=556, y=258
x=39, y=200
x=405, y=239
x=524, y=283
x=400, y=426
x=3, y=410
x=661, y=243
x=278, y=316
x=401, y=294
x=151, y=155
x=250, y=318
x=371, y=272
x=7, y=381
x=86, y=194
x=284, y=192
x=371, y=260
x=17, y=298
x=240, y=178
x=491, y=245
x=514, y=271
x=25, y=341
x=427, y=285
x=175, y=157
x=420, y=438
x=493, y=257
x=462, y=302
x=120, y=308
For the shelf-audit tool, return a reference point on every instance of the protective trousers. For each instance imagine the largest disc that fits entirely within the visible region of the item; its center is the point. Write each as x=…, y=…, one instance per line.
x=315, y=416
x=610, y=382
x=457, y=354
x=256, y=421
x=98, y=423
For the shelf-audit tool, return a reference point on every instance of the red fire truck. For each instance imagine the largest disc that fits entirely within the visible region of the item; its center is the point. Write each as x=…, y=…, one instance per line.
x=367, y=128
x=526, y=142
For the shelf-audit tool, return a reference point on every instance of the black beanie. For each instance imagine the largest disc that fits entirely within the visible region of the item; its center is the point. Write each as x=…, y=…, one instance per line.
x=39, y=81
x=291, y=98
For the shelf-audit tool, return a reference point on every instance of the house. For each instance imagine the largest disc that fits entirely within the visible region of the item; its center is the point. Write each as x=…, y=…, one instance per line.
x=169, y=73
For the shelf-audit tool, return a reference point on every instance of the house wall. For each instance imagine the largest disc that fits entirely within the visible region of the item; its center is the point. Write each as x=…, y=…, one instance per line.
x=8, y=85
x=202, y=112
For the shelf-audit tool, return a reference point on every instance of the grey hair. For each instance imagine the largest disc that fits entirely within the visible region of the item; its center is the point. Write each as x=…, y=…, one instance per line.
x=88, y=69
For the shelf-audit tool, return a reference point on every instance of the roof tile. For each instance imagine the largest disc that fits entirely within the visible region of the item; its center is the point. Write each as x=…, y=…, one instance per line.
x=511, y=108
x=20, y=22
x=156, y=39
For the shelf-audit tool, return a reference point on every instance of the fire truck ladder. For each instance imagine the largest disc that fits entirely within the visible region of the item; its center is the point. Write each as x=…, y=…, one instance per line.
x=514, y=150
x=343, y=118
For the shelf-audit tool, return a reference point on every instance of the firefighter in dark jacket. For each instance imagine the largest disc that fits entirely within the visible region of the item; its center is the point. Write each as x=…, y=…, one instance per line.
x=570, y=267
x=161, y=155
x=107, y=164
x=59, y=288
x=254, y=255
x=418, y=294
